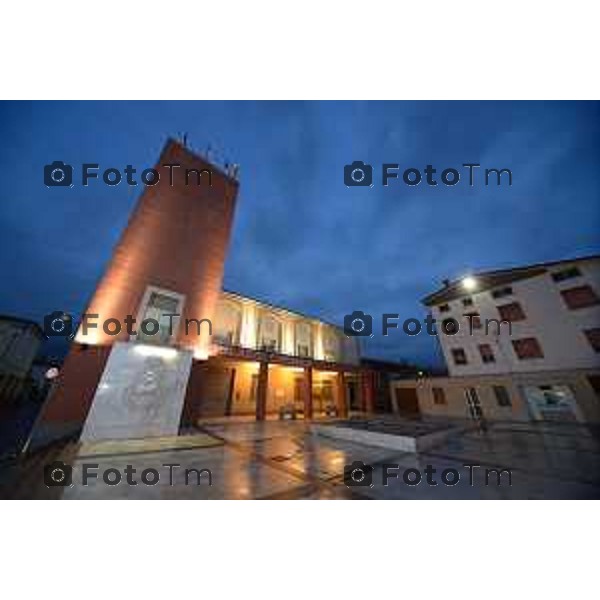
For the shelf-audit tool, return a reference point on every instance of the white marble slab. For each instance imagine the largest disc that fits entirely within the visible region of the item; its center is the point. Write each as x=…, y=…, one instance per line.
x=140, y=394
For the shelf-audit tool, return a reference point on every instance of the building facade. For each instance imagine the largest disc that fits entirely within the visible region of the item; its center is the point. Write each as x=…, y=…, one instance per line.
x=570, y=396
x=250, y=359
x=520, y=343
x=553, y=311
x=266, y=360
x=20, y=340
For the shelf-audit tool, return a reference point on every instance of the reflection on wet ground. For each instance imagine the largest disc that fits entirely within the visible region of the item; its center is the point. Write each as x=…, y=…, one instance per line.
x=284, y=460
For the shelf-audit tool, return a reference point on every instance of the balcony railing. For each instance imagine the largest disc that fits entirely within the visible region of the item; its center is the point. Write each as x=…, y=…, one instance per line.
x=269, y=353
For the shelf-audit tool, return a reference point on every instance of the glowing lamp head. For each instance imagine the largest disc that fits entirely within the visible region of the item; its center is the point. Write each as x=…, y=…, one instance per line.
x=469, y=283
x=52, y=373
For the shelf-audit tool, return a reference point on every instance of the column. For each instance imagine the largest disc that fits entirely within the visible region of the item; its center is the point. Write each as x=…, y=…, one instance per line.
x=261, y=391
x=249, y=324
x=368, y=391
x=287, y=337
x=342, y=403
x=308, y=395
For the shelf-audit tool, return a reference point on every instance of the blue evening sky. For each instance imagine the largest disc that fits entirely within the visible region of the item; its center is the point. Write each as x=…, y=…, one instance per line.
x=301, y=238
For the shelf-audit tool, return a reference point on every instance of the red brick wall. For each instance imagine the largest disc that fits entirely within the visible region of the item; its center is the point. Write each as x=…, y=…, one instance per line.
x=176, y=238
x=74, y=391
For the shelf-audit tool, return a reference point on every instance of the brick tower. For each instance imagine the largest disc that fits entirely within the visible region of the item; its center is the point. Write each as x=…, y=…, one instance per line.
x=175, y=243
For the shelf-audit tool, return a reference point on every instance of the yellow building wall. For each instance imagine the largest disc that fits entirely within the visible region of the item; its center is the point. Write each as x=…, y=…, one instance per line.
x=587, y=401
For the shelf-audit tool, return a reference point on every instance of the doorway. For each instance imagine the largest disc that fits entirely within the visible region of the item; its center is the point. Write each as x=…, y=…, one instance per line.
x=407, y=400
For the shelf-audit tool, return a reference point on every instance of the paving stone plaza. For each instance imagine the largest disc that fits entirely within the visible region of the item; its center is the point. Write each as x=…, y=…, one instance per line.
x=286, y=460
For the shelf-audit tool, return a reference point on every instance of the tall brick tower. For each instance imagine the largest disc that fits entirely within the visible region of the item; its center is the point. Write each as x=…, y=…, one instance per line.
x=174, y=249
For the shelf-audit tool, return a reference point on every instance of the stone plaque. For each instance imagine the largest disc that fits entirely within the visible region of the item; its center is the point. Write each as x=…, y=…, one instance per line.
x=140, y=394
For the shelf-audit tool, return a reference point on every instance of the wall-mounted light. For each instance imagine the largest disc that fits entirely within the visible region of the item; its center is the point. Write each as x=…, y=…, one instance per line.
x=158, y=351
x=469, y=283
x=286, y=368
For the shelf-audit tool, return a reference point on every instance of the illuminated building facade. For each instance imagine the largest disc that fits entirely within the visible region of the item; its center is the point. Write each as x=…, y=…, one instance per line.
x=527, y=348
x=260, y=360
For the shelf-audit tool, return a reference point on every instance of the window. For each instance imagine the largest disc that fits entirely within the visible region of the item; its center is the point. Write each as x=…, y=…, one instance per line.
x=593, y=336
x=511, y=312
x=444, y=307
x=302, y=350
x=474, y=320
x=158, y=306
x=580, y=297
x=502, y=292
x=224, y=338
x=269, y=334
x=459, y=356
x=502, y=395
x=467, y=301
x=487, y=355
x=227, y=322
x=439, y=397
x=303, y=336
x=330, y=345
x=527, y=348
x=551, y=402
x=566, y=274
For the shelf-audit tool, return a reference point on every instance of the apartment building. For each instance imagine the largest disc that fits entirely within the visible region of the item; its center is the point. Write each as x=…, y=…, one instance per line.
x=518, y=343
x=539, y=317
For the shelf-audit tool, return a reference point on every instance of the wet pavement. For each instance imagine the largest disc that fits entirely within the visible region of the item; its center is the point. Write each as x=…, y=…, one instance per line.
x=284, y=460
